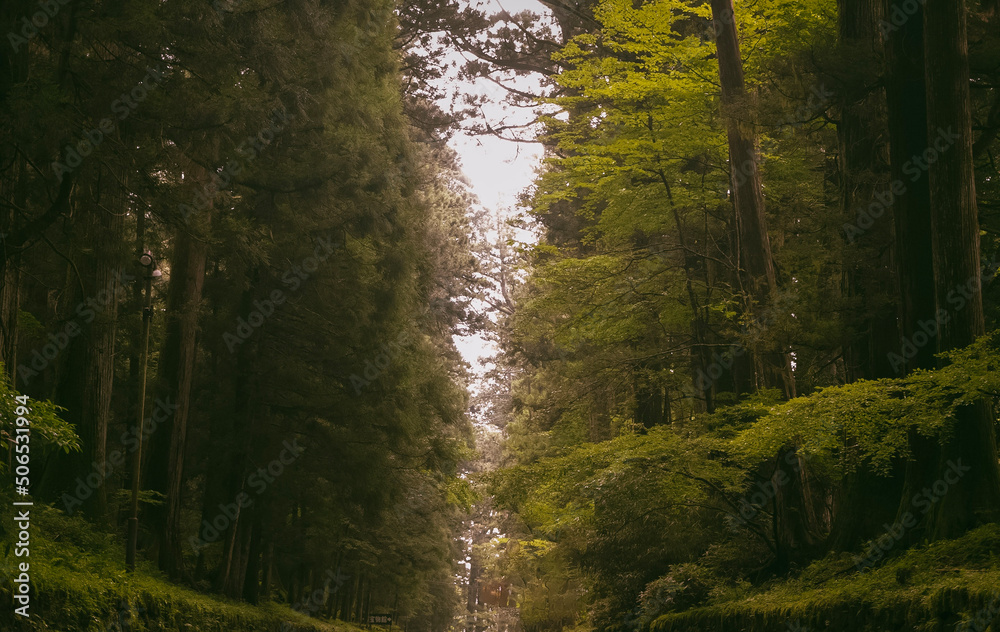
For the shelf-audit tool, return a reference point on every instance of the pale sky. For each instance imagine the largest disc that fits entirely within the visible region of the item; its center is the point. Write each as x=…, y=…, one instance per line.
x=497, y=169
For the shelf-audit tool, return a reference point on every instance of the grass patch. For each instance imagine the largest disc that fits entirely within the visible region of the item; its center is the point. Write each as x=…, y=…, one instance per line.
x=948, y=585
x=79, y=584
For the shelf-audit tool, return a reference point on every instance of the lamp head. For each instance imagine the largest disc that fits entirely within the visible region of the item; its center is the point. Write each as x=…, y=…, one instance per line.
x=148, y=261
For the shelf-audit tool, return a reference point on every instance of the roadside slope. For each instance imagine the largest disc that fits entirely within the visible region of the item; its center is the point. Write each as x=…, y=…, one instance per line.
x=948, y=585
x=79, y=584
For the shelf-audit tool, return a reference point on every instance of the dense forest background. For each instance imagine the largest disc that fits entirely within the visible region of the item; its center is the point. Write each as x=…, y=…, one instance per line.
x=305, y=405
x=754, y=330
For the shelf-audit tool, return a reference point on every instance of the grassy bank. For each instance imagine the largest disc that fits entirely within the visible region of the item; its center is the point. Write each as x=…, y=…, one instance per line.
x=79, y=584
x=950, y=585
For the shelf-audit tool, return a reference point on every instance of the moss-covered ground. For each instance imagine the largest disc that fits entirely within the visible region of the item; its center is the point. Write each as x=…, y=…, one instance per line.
x=949, y=585
x=79, y=584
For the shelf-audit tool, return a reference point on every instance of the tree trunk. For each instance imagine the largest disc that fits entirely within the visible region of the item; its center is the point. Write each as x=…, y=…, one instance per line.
x=865, y=501
x=230, y=554
x=955, y=242
x=757, y=273
x=232, y=581
x=869, y=275
x=753, y=243
x=109, y=246
x=177, y=365
x=361, y=598
x=13, y=69
x=231, y=438
x=796, y=531
x=10, y=307
x=242, y=427
x=648, y=394
x=266, y=572
x=907, y=118
x=251, y=580
x=755, y=246
x=11, y=188
x=86, y=382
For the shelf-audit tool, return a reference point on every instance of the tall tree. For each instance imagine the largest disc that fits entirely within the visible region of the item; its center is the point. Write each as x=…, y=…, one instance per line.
x=906, y=100
x=865, y=501
x=955, y=230
x=753, y=242
x=176, y=375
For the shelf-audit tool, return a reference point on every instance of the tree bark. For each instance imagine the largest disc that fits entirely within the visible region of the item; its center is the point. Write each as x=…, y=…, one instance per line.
x=87, y=380
x=955, y=243
x=863, y=154
x=797, y=532
x=907, y=117
x=906, y=103
x=251, y=579
x=177, y=366
x=11, y=188
x=753, y=243
x=865, y=501
x=13, y=69
x=266, y=571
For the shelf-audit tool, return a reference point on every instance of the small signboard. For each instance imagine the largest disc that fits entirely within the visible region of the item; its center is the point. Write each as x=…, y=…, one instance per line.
x=380, y=619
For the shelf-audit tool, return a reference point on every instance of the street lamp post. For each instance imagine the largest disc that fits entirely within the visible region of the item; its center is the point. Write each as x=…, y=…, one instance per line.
x=150, y=272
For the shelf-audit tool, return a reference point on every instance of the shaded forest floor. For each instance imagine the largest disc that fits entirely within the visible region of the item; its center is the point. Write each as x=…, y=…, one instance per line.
x=949, y=585
x=80, y=584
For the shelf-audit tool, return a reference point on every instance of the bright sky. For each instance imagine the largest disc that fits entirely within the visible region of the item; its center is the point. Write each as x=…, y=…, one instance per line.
x=498, y=170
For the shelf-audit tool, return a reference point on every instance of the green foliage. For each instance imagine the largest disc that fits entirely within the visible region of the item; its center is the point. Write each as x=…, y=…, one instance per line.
x=869, y=421
x=640, y=514
x=623, y=510
x=80, y=583
x=352, y=356
x=49, y=432
x=942, y=584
